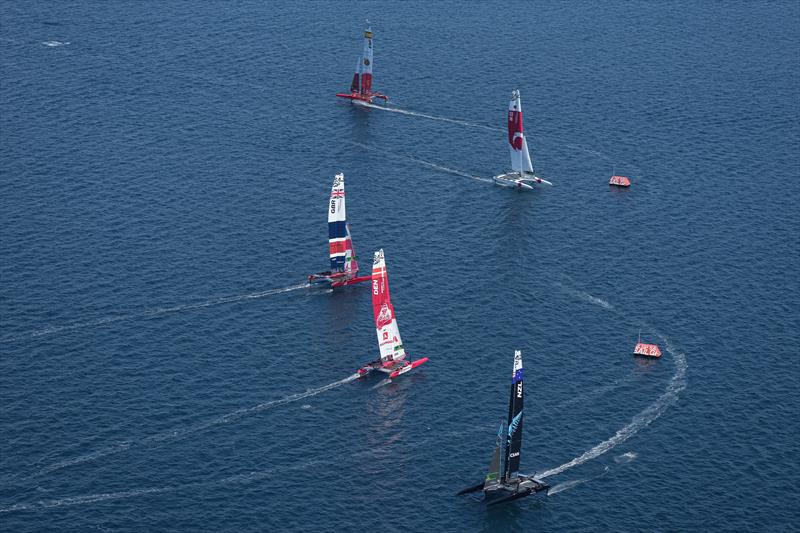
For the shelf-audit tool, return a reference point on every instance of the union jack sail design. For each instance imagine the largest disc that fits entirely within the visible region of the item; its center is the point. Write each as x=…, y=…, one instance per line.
x=520, y=157
x=339, y=243
x=389, y=342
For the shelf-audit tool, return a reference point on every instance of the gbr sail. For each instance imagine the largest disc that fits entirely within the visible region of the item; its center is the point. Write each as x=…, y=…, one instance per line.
x=338, y=234
x=389, y=342
x=514, y=423
x=520, y=157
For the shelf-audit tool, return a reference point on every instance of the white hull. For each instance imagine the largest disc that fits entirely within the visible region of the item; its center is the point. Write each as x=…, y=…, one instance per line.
x=514, y=180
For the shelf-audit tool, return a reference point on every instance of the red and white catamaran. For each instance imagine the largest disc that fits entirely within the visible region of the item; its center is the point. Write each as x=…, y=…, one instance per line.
x=361, y=86
x=344, y=265
x=393, y=354
x=521, y=175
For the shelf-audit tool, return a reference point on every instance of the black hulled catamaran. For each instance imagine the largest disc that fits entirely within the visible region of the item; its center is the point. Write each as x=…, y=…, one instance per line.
x=504, y=483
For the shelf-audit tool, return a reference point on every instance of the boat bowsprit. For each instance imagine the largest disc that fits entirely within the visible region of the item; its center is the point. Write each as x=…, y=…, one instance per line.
x=521, y=176
x=504, y=483
x=361, y=86
x=344, y=264
x=393, y=355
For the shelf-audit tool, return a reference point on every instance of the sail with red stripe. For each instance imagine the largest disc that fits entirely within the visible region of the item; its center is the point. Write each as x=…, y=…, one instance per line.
x=389, y=342
x=520, y=157
x=337, y=225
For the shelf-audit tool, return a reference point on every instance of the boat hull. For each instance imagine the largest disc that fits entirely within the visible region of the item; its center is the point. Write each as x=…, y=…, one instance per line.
x=357, y=98
x=335, y=279
x=514, y=180
x=507, y=492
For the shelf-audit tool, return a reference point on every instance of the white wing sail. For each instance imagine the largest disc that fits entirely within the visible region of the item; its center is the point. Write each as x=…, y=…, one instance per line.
x=520, y=156
x=337, y=225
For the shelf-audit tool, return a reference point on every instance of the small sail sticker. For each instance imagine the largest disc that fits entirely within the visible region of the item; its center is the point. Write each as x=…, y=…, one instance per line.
x=384, y=317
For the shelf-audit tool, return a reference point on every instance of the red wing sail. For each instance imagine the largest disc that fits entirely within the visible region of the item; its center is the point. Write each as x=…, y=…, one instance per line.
x=389, y=342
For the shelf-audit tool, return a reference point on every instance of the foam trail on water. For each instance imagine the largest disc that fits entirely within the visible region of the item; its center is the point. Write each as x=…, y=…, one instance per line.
x=626, y=457
x=178, y=433
x=567, y=485
x=432, y=117
x=132, y=493
x=561, y=487
x=641, y=420
x=423, y=162
x=148, y=313
x=583, y=295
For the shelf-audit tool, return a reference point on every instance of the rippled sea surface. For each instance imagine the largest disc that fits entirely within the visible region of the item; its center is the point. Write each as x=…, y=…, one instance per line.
x=164, y=174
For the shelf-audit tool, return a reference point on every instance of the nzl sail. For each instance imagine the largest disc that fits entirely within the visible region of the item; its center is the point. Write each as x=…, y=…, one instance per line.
x=520, y=157
x=361, y=86
x=514, y=422
x=504, y=483
x=391, y=347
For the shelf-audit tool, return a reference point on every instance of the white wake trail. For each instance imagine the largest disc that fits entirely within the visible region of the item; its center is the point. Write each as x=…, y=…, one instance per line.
x=407, y=112
x=182, y=432
x=430, y=164
x=132, y=493
x=148, y=313
x=641, y=420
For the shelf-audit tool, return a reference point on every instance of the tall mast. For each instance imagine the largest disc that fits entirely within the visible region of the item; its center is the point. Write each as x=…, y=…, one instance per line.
x=515, y=405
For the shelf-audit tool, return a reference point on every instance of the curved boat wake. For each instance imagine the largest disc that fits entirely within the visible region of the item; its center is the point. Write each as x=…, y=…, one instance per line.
x=182, y=432
x=132, y=493
x=640, y=421
x=458, y=121
x=148, y=313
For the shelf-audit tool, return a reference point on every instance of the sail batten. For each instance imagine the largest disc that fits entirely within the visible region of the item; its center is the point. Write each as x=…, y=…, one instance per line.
x=389, y=342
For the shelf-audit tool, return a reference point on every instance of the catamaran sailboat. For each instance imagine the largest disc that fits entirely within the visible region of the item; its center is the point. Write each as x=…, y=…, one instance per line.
x=393, y=354
x=521, y=175
x=504, y=483
x=361, y=86
x=344, y=265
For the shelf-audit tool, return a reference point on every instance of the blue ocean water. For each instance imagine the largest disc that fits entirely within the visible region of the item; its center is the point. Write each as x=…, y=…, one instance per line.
x=164, y=171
